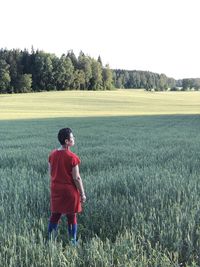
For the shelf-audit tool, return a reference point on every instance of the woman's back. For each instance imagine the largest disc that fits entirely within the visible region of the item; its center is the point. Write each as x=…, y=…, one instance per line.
x=62, y=162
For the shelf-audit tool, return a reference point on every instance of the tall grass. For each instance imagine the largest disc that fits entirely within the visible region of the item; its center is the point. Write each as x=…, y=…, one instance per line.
x=141, y=176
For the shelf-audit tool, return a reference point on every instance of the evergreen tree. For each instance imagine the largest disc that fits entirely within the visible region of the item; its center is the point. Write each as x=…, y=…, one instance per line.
x=171, y=82
x=143, y=79
x=24, y=83
x=197, y=84
x=137, y=83
x=107, y=78
x=162, y=85
x=73, y=58
x=186, y=84
x=42, y=71
x=62, y=73
x=84, y=63
x=79, y=80
x=14, y=58
x=4, y=77
x=96, y=82
x=119, y=83
x=100, y=61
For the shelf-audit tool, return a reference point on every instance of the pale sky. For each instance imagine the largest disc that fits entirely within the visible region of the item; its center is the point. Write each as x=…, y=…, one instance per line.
x=156, y=35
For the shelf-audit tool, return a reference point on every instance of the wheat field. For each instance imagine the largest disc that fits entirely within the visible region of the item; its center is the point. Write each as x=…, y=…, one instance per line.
x=141, y=176
x=97, y=103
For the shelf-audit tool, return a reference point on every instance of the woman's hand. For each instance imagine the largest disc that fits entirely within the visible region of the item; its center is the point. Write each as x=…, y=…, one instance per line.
x=83, y=198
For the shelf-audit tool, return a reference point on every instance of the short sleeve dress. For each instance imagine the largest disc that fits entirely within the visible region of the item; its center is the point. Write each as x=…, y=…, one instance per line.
x=65, y=197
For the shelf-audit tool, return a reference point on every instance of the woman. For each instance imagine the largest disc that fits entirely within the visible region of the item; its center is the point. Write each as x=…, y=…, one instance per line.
x=67, y=190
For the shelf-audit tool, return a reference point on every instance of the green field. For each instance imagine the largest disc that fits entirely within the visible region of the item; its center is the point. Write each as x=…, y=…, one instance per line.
x=141, y=176
x=97, y=103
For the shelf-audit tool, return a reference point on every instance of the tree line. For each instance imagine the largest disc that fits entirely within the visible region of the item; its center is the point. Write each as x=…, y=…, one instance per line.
x=152, y=81
x=23, y=71
x=143, y=79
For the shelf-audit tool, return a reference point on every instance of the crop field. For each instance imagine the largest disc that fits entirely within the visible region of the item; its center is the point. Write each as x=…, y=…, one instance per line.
x=97, y=103
x=141, y=176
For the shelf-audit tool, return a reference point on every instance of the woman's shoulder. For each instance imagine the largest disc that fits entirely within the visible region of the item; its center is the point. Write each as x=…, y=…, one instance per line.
x=72, y=154
x=51, y=154
x=53, y=151
x=75, y=160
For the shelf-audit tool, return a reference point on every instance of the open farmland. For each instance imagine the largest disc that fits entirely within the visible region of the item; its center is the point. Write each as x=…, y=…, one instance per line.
x=97, y=103
x=141, y=176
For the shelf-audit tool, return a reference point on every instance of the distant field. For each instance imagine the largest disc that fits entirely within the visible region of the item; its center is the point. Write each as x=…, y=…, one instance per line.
x=99, y=103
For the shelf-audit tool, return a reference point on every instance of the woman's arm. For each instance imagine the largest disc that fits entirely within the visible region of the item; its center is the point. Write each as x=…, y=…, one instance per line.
x=78, y=182
x=49, y=168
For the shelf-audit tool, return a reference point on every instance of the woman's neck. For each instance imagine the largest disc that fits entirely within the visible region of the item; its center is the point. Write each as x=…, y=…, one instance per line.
x=64, y=147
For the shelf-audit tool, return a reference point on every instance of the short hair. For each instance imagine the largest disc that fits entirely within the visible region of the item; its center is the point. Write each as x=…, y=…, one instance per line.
x=64, y=134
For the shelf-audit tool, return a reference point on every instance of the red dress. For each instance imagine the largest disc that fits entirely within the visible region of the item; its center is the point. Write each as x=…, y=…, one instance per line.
x=65, y=197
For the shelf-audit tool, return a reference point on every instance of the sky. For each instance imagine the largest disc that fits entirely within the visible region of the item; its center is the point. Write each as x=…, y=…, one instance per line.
x=154, y=35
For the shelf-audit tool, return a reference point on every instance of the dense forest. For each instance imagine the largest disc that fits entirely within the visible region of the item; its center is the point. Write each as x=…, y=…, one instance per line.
x=24, y=71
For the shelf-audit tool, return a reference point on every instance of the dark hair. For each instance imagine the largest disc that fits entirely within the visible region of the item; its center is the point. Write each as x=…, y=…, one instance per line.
x=64, y=134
